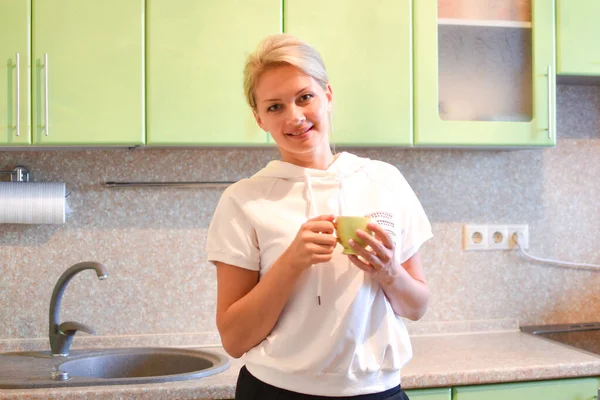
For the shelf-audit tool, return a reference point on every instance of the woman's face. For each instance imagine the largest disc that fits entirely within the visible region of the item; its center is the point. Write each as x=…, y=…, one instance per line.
x=294, y=109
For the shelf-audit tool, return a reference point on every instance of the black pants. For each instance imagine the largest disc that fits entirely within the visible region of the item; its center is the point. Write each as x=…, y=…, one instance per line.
x=250, y=388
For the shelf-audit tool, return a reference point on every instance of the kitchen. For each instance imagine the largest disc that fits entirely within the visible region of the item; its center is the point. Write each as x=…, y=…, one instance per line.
x=161, y=291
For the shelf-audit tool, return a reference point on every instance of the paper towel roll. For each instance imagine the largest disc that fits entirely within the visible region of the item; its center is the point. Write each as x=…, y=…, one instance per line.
x=32, y=203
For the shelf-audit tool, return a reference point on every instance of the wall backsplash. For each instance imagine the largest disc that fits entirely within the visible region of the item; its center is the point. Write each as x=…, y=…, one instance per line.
x=152, y=240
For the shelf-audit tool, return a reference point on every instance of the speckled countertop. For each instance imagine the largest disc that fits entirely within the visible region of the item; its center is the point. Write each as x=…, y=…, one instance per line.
x=439, y=361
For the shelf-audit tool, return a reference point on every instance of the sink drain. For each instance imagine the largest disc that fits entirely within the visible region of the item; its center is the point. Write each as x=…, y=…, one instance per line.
x=59, y=375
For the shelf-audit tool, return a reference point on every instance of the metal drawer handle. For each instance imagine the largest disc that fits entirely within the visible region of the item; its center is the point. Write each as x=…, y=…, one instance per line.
x=46, y=93
x=18, y=96
x=549, y=101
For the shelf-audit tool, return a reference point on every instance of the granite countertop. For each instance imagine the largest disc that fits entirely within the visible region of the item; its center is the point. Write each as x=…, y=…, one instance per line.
x=440, y=360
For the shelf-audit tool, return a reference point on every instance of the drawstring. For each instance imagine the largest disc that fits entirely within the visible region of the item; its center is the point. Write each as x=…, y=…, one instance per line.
x=342, y=207
x=312, y=212
x=341, y=197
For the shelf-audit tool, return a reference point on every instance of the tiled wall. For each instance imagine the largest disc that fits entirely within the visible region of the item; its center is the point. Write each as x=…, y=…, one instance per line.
x=152, y=240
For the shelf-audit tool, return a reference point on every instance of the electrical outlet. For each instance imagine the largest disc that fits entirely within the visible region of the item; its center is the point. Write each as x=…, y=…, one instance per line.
x=475, y=237
x=520, y=231
x=495, y=237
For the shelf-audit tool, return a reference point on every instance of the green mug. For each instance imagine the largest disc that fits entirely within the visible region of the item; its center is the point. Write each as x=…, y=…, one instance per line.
x=345, y=228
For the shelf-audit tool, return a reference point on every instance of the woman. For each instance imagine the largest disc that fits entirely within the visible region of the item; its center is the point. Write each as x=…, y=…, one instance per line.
x=314, y=323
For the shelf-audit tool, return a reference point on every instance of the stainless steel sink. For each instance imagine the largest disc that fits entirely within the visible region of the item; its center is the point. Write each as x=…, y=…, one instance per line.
x=583, y=336
x=118, y=366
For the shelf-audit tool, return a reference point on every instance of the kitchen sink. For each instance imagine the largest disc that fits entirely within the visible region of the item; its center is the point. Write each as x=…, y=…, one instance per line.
x=119, y=366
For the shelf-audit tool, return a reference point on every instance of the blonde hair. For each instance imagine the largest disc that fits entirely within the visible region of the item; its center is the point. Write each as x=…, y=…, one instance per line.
x=281, y=49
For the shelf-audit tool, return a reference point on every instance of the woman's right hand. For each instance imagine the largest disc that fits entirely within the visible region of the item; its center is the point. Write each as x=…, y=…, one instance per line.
x=314, y=243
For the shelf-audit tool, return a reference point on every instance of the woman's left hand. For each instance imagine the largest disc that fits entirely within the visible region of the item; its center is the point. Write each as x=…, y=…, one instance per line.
x=378, y=254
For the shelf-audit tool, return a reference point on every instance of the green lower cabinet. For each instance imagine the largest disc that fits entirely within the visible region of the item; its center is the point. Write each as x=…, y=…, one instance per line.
x=563, y=389
x=559, y=389
x=577, y=33
x=195, y=53
x=429, y=394
x=367, y=50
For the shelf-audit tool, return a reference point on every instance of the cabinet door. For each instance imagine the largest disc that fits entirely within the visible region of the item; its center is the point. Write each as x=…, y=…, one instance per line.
x=565, y=389
x=196, y=53
x=484, y=74
x=366, y=48
x=577, y=35
x=429, y=394
x=15, y=114
x=89, y=89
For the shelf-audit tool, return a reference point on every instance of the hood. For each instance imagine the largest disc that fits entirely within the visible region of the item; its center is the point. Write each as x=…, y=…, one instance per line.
x=344, y=165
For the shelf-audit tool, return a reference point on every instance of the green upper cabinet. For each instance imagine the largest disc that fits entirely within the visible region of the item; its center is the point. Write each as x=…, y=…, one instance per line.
x=367, y=51
x=577, y=35
x=563, y=389
x=88, y=72
x=15, y=81
x=484, y=76
x=196, y=52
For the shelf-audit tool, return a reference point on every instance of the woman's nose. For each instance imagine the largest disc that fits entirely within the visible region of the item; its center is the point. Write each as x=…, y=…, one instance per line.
x=295, y=116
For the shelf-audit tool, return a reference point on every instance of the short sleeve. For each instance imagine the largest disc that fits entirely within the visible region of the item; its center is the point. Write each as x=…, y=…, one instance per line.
x=231, y=237
x=413, y=226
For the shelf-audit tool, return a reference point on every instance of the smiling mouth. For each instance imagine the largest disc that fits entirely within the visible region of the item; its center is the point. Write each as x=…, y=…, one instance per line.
x=300, y=132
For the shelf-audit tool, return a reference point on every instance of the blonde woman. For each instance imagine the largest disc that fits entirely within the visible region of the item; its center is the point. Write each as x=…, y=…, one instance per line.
x=311, y=322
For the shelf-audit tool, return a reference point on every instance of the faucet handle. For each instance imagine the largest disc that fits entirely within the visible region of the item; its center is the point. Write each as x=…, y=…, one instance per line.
x=68, y=328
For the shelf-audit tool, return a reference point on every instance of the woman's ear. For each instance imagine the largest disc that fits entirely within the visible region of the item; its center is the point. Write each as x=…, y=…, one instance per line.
x=329, y=94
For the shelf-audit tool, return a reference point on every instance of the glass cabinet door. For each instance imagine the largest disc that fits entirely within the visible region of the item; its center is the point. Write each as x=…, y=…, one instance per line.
x=484, y=72
x=484, y=60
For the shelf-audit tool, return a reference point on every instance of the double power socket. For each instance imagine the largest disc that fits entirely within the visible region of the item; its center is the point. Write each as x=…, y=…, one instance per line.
x=495, y=237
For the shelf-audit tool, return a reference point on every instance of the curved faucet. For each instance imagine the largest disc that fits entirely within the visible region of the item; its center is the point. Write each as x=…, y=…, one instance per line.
x=61, y=335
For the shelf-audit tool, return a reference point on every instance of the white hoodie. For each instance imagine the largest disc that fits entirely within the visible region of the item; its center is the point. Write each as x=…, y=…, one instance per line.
x=352, y=343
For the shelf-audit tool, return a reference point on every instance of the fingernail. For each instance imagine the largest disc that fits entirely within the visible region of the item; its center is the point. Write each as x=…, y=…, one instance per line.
x=351, y=242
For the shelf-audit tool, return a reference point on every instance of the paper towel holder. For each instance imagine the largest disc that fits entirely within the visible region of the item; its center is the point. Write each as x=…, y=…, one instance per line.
x=19, y=174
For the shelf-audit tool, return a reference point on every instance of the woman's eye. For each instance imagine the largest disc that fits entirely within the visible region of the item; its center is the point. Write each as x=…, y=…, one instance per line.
x=306, y=97
x=273, y=108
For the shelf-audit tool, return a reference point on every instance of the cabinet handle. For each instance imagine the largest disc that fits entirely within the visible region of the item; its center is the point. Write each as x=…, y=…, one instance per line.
x=549, y=101
x=18, y=96
x=46, y=93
